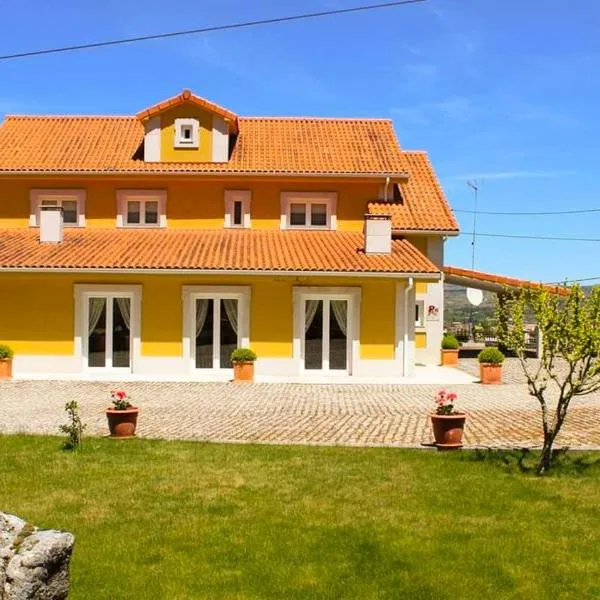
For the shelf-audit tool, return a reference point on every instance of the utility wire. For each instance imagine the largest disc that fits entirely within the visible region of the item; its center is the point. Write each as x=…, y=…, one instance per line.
x=530, y=214
x=245, y=24
x=532, y=237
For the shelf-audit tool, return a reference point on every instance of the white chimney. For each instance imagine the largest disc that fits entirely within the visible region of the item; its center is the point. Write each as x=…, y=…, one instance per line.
x=378, y=234
x=51, y=224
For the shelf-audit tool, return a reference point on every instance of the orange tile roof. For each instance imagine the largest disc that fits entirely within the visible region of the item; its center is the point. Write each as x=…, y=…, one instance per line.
x=187, y=96
x=502, y=280
x=423, y=206
x=268, y=146
x=208, y=250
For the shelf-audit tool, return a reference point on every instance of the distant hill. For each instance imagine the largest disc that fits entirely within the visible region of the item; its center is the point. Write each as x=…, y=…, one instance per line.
x=457, y=308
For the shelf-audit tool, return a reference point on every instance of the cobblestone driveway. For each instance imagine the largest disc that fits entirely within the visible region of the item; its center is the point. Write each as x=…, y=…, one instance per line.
x=298, y=414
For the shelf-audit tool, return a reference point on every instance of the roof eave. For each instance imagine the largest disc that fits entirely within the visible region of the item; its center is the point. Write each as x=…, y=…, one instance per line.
x=437, y=275
x=445, y=232
x=29, y=172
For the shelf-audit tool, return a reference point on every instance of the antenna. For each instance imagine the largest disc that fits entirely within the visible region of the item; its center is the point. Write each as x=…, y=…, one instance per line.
x=474, y=185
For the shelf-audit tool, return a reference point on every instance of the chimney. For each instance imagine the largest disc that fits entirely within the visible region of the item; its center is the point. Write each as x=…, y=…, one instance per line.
x=51, y=224
x=378, y=234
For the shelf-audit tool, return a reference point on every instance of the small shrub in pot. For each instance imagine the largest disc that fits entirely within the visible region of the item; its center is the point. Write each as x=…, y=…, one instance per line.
x=490, y=365
x=450, y=346
x=243, y=364
x=6, y=358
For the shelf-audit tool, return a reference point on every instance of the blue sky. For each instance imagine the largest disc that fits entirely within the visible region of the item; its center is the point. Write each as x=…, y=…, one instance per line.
x=503, y=92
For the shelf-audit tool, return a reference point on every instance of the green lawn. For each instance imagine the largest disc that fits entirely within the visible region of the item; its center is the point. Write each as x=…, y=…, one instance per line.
x=174, y=520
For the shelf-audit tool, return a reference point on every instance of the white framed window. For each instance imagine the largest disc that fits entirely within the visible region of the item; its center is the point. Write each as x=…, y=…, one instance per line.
x=72, y=203
x=107, y=326
x=141, y=208
x=308, y=210
x=237, y=208
x=187, y=133
x=420, y=314
x=216, y=321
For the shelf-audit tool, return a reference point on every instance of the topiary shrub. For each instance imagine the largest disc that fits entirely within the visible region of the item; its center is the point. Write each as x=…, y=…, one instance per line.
x=243, y=355
x=6, y=352
x=449, y=342
x=491, y=355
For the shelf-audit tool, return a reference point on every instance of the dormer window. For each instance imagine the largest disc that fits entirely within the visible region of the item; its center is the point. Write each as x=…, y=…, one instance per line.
x=187, y=133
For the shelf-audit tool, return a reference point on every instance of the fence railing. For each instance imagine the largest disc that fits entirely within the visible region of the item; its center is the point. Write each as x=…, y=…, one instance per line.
x=489, y=338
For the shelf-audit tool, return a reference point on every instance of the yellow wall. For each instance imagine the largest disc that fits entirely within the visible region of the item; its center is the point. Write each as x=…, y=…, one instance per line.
x=36, y=325
x=168, y=152
x=191, y=202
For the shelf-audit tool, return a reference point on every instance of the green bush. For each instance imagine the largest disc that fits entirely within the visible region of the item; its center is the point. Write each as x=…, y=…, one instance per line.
x=491, y=355
x=243, y=355
x=6, y=351
x=449, y=342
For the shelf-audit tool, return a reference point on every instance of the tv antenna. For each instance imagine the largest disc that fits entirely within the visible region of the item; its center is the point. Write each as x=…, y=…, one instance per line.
x=474, y=185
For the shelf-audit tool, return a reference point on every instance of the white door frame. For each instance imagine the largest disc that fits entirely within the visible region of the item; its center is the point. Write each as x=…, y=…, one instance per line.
x=190, y=294
x=83, y=293
x=352, y=295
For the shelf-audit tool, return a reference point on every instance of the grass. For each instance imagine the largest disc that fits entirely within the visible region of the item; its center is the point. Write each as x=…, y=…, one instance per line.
x=178, y=520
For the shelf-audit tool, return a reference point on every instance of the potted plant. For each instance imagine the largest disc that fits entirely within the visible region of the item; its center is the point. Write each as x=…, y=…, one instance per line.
x=447, y=423
x=243, y=364
x=6, y=359
x=490, y=365
x=450, y=346
x=122, y=416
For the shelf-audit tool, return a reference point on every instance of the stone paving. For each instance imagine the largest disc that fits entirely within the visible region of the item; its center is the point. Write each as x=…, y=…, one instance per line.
x=394, y=415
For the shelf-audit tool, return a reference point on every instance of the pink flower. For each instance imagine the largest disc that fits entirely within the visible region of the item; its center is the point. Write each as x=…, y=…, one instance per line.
x=452, y=396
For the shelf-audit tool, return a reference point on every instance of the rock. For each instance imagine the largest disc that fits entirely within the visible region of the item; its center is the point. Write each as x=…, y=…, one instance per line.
x=34, y=564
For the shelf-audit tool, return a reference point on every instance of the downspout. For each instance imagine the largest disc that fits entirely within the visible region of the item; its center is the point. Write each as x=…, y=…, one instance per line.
x=407, y=291
x=385, y=189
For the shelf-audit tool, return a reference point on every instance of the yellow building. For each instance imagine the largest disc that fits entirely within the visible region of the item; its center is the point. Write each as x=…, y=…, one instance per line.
x=153, y=245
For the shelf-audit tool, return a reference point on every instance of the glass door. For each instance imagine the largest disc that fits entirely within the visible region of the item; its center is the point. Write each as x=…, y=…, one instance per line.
x=109, y=332
x=326, y=336
x=216, y=332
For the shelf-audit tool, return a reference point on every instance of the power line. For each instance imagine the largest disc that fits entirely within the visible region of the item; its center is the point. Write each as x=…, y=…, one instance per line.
x=573, y=280
x=172, y=34
x=558, y=212
x=532, y=237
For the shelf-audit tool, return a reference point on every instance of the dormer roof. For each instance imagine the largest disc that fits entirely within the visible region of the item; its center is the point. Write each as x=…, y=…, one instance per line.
x=186, y=96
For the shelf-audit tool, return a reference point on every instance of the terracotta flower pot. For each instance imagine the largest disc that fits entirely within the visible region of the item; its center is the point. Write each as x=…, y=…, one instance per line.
x=448, y=430
x=449, y=358
x=490, y=374
x=122, y=423
x=6, y=368
x=243, y=370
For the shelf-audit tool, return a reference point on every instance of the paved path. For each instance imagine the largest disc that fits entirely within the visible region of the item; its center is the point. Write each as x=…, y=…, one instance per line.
x=499, y=416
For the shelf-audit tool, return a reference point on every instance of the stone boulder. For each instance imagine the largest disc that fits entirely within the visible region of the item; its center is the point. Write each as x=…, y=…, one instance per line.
x=33, y=563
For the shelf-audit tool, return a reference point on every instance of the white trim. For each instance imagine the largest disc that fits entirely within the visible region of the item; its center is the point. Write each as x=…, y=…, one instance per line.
x=353, y=296
x=308, y=198
x=82, y=294
x=420, y=322
x=142, y=196
x=190, y=293
x=220, y=139
x=182, y=142
x=243, y=196
x=36, y=196
x=152, y=139
x=216, y=272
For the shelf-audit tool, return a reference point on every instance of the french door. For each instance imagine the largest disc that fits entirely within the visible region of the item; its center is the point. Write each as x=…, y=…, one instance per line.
x=216, y=322
x=326, y=345
x=108, y=340
x=217, y=332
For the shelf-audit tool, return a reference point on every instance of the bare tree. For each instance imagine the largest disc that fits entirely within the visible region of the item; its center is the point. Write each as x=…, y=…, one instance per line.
x=569, y=365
